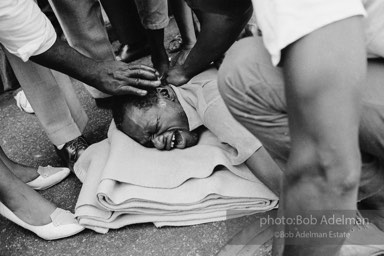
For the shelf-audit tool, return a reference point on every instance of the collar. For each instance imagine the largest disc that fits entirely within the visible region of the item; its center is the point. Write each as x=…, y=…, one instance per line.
x=193, y=117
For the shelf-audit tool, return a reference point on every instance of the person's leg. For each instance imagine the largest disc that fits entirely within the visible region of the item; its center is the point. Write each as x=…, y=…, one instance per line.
x=83, y=26
x=56, y=105
x=184, y=19
x=24, y=173
x=154, y=17
x=125, y=20
x=23, y=201
x=52, y=96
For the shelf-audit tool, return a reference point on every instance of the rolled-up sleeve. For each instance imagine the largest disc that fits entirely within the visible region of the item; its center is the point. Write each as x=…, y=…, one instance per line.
x=24, y=30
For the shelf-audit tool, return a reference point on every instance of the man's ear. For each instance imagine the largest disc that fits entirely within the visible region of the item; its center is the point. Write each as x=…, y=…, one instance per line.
x=164, y=91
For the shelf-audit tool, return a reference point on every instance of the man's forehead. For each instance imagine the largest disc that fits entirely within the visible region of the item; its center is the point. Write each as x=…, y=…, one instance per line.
x=135, y=124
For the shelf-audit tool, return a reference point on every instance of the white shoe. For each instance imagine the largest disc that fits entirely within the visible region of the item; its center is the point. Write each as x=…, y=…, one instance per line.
x=23, y=103
x=365, y=239
x=63, y=224
x=49, y=176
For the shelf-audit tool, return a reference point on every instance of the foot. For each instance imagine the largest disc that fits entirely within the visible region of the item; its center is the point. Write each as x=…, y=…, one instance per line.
x=130, y=53
x=29, y=206
x=25, y=207
x=72, y=150
x=24, y=173
x=23, y=103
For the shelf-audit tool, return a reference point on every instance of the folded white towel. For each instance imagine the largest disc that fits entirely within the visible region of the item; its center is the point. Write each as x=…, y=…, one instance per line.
x=126, y=183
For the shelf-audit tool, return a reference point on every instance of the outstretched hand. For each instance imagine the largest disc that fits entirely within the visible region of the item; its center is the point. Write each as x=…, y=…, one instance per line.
x=112, y=77
x=118, y=78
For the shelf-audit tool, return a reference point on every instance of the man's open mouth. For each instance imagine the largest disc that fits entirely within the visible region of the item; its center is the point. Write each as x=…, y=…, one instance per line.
x=176, y=139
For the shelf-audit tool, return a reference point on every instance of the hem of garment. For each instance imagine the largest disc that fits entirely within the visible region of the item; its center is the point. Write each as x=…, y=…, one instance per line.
x=68, y=132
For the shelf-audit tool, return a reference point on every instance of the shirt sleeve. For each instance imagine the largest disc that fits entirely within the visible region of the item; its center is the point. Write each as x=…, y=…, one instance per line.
x=283, y=22
x=24, y=30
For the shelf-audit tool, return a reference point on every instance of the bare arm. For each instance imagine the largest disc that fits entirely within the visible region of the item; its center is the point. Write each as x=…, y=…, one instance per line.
x=221, y=23
x=112, y=77
x=265, y=169
x=323, y=82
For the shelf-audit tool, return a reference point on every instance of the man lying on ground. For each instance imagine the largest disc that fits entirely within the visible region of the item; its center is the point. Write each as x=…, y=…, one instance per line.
x=169, y=117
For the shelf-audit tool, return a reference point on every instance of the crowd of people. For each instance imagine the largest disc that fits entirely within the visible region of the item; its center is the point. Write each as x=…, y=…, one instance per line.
x=296, y=86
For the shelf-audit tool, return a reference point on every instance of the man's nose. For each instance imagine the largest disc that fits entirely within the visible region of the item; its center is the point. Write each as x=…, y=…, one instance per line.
x=159, y=142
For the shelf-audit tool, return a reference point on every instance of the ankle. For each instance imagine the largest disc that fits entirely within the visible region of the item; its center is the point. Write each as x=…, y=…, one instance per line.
x=29, y=206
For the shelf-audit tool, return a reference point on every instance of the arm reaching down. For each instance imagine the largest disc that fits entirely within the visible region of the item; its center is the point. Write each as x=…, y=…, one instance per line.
x=111, y=77
x=266, y=170
x=221, y=23
x=27, y=33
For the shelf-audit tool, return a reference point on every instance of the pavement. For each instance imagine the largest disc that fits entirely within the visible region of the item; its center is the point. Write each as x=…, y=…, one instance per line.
x=24, y=141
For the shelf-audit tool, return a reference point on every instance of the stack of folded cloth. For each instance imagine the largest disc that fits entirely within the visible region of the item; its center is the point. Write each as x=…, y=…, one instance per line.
x=125, y=183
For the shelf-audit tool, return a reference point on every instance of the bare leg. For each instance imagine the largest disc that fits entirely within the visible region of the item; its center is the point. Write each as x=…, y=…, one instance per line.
x=322, y=89
x=24, y=173
x=23, y=201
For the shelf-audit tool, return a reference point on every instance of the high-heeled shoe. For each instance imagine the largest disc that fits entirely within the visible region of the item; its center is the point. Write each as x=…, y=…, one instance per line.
x=49, y=176
x=63, y=224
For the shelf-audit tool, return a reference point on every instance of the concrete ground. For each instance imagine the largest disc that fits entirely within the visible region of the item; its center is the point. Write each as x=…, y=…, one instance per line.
x=24, y=141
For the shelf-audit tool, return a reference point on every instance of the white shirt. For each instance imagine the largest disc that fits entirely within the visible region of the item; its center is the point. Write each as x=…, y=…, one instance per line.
x=24, y=30
x=203, y=105
x=283, y=22
x=374, y=27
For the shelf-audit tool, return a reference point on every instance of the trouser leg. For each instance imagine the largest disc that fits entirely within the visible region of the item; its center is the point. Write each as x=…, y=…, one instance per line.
x=53, y=99
x=125, y=20
x=83, y=26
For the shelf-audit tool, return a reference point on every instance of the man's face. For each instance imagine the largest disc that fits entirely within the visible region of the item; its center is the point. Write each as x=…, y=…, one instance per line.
x=163, y=126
